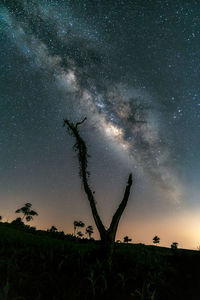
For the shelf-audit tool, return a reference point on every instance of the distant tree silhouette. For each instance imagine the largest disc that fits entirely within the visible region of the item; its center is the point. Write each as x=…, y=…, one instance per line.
x=89, y=230
x=79, y=234
x=0, y=218
x=174, y=245
x=81, y=224
x=27, y=212
x=78, y=224
x=107, y=235
x=127, y=239
x=18, y=222
x=52, y=229
x=75, y=226
x=156, y=239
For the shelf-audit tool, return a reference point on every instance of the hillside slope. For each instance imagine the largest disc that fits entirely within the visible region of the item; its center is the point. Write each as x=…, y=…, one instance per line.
x=40, y=265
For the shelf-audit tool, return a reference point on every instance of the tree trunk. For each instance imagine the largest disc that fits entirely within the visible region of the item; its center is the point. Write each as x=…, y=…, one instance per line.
x=107, y=236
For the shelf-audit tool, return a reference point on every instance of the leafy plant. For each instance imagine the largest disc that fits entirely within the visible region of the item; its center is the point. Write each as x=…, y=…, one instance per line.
x=146, y=293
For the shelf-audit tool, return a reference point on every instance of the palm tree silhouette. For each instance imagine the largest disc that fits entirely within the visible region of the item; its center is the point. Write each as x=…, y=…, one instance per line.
x=27, y=212
x=80, y=234
x=75, y=226
x=78, y=224
x=89, y=231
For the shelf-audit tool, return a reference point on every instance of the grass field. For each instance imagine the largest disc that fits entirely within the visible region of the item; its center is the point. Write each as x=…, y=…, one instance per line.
x=41, y=265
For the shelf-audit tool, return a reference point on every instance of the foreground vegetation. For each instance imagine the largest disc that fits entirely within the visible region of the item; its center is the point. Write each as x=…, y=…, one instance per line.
x=37, y=264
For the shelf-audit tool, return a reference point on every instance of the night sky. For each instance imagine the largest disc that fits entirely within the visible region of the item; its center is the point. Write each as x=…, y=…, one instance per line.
x=132, y=68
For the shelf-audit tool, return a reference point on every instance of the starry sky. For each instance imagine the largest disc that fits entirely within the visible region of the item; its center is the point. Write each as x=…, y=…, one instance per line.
x=132, y=68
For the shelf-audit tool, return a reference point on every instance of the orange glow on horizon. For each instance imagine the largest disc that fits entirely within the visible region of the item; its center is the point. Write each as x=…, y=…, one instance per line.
x=182, y=227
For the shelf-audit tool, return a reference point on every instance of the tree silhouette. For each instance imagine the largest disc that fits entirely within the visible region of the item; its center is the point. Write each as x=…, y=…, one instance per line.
x=156, y=239
x=18, y=222
x=107, y=235
x=78, y=224
x=174, y=245
x=80, y=234
x=27, y=212
x=89, y=231
x=75, y=226
x=52, y=229
x=127, y=239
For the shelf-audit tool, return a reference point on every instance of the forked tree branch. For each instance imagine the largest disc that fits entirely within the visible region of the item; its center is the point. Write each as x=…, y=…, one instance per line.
x=82, y=157
x=120, y=210
x=106, y=235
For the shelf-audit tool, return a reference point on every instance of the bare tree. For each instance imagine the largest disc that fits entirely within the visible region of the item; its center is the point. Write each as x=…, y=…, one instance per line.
x=107, y=235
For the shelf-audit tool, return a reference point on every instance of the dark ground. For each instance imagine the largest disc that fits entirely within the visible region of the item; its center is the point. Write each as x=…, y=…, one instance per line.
x=41, y=265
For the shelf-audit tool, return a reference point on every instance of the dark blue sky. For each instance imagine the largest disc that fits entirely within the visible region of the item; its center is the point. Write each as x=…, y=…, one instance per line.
x=131, y=67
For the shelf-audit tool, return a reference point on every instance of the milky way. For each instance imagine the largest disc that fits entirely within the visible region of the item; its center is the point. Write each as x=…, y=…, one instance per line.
x=131, y=68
